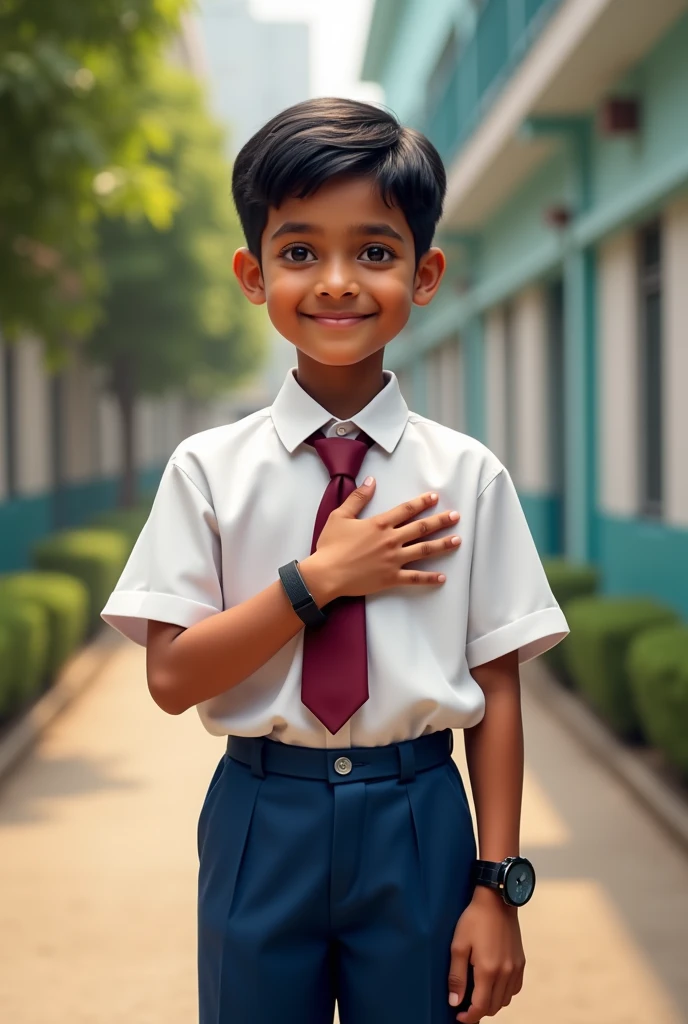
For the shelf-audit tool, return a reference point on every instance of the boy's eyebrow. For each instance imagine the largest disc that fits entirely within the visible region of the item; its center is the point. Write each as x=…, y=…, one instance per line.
x=292, y=227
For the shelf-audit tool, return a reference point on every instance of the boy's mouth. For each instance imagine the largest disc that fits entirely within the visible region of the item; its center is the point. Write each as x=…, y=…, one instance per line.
x=338, y=320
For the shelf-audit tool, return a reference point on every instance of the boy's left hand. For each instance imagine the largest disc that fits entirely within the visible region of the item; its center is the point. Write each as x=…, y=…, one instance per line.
x=489, y=935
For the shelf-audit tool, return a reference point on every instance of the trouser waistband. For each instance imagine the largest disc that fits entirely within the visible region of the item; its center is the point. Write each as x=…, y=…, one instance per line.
x=344, y=764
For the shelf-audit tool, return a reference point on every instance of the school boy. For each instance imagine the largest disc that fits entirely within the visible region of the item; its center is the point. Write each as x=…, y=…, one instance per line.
x=299, y=583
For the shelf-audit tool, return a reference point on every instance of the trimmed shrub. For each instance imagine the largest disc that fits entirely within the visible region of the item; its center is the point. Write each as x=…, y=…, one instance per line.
x=66, y=602
x=7, y=671
x=129, y=521
x=26, y=623
x=567, y=580
x=602, y=629
x=94, y=556
x=657, y=665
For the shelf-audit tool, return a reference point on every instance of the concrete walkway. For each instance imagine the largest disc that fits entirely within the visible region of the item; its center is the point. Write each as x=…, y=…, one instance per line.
x=98, y=874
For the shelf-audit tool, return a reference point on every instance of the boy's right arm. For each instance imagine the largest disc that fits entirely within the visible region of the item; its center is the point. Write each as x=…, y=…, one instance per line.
x=187, y=666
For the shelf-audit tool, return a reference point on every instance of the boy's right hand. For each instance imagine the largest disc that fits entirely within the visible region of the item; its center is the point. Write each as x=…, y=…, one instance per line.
x=363, y=556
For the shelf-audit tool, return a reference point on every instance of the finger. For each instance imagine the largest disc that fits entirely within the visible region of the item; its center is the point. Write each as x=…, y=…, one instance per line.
x=482, y=997
x=458, y=975
x=498, y=992
x=414, y=577
x=428, y=524
x=408, y=509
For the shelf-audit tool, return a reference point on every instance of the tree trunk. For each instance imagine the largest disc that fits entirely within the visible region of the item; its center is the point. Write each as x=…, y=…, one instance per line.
x=124, y=383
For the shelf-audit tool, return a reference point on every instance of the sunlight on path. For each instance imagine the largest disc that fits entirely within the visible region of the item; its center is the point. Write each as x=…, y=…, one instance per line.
x=98, y=880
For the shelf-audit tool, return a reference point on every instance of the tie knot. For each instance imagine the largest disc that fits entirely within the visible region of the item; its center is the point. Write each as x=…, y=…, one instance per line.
x=342, y=456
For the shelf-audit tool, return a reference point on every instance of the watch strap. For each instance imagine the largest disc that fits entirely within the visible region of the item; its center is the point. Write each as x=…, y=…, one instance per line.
x=487, y=872
x=302, y=600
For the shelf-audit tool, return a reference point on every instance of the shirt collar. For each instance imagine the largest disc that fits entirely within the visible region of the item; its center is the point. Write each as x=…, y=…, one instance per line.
x=297, y=415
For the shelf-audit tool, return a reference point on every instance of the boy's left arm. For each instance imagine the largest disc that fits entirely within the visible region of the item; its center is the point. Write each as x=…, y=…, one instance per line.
x=488, y=932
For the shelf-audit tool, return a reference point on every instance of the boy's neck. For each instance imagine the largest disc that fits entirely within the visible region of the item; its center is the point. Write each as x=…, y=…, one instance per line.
x=342, y=390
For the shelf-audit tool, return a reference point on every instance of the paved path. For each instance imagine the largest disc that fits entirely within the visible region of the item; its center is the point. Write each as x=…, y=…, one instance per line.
x=98, y=874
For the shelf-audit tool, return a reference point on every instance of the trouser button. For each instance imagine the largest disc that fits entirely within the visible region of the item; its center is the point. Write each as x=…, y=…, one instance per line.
x=343, y=765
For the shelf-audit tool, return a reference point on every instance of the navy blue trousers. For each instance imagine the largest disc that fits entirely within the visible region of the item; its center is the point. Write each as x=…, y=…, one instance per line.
x=315, y=890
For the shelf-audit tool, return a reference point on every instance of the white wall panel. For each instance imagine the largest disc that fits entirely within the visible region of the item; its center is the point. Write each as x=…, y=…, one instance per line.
x=495, y=370
x=531, y=387
x=675, y=369
x=79, y=436
x=618, y=414
x=110, y=435
x=33, y=419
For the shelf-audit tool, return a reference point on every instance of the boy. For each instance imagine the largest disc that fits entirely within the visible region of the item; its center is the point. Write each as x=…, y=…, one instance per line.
x=337, y=858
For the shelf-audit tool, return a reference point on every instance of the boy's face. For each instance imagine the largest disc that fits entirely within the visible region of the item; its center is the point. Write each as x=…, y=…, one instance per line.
x=338, y=271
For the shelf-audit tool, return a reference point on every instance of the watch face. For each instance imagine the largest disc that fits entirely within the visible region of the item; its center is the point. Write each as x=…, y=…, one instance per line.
x=519, y=882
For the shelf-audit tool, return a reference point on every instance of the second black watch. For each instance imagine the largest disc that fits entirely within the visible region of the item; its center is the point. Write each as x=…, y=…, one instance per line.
x=514, y=877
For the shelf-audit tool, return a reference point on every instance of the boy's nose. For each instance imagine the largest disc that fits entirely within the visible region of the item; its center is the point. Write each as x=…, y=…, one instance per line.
x=337, y=285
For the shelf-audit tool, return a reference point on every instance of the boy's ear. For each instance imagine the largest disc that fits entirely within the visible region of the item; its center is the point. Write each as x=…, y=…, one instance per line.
x=430, y=272
x=249, y=275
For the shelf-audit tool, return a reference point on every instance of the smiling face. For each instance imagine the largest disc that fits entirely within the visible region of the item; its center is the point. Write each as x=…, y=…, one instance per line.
x=339, y=274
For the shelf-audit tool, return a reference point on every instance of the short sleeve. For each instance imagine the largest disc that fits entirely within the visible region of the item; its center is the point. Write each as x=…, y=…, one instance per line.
x=511, y=605
x=174, y=570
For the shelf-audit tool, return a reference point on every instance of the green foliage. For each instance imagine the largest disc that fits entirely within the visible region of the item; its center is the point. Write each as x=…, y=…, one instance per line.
x=173, y=312
x=95, y=556
x=65, y=600
x=567, y=580
x=602, y=628
x=71, y=146
x=27, y=623
x=129, y=521
x=658, y=671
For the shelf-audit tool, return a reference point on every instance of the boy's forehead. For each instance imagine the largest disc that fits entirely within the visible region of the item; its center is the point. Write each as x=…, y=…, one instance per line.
x=338, y=205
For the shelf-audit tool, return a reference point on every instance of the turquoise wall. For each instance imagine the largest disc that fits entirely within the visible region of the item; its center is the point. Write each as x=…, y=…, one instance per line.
x=27, y=520
x=662, y=82
x=639, y=556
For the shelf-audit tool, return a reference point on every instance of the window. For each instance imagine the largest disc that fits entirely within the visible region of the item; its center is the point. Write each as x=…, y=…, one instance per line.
x=650, y=369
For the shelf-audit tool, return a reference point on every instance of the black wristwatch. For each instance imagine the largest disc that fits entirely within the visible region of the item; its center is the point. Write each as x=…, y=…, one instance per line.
x=514, y=877
x=300, y=596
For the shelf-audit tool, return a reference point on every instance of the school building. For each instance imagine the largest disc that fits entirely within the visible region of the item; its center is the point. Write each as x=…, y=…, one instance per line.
x=559, y=336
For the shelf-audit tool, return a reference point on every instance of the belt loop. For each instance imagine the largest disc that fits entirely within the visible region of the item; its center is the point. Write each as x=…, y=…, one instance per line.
x=257, y=746
x=407, y=761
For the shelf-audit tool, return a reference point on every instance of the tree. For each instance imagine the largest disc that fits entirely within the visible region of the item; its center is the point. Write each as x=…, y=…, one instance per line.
x=173, y=313
x=71, y=145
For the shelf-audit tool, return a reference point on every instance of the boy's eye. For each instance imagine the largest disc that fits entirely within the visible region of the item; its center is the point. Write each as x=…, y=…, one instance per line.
x=298, y=252
x=377, y=254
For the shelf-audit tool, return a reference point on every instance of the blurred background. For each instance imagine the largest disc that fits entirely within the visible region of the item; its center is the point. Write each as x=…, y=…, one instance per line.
x=559, y=338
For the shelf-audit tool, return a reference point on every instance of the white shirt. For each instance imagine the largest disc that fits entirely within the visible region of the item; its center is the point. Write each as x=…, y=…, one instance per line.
x=237, y=501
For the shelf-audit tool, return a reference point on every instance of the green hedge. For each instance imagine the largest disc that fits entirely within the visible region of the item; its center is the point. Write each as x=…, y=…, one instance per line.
x=568, y=580
x=602, y=629
x=7, y=669
x=95, y=556
x=657, y=666
x=25, y=622
x=129, y=521
x=66, y=602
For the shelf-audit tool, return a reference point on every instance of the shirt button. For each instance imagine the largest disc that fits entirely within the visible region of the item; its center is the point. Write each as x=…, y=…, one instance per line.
x=341, y=430
x=343, y=766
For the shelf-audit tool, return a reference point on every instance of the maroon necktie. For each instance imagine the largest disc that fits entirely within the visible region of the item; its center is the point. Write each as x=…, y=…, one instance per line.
x=334, y=681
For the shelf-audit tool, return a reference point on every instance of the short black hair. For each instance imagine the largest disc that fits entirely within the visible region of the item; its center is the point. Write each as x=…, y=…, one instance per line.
x=306, y=144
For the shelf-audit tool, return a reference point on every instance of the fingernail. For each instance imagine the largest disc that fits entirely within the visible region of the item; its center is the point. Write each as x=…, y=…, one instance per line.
x=368, y=481
x=433, y=495
x=453, y=999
